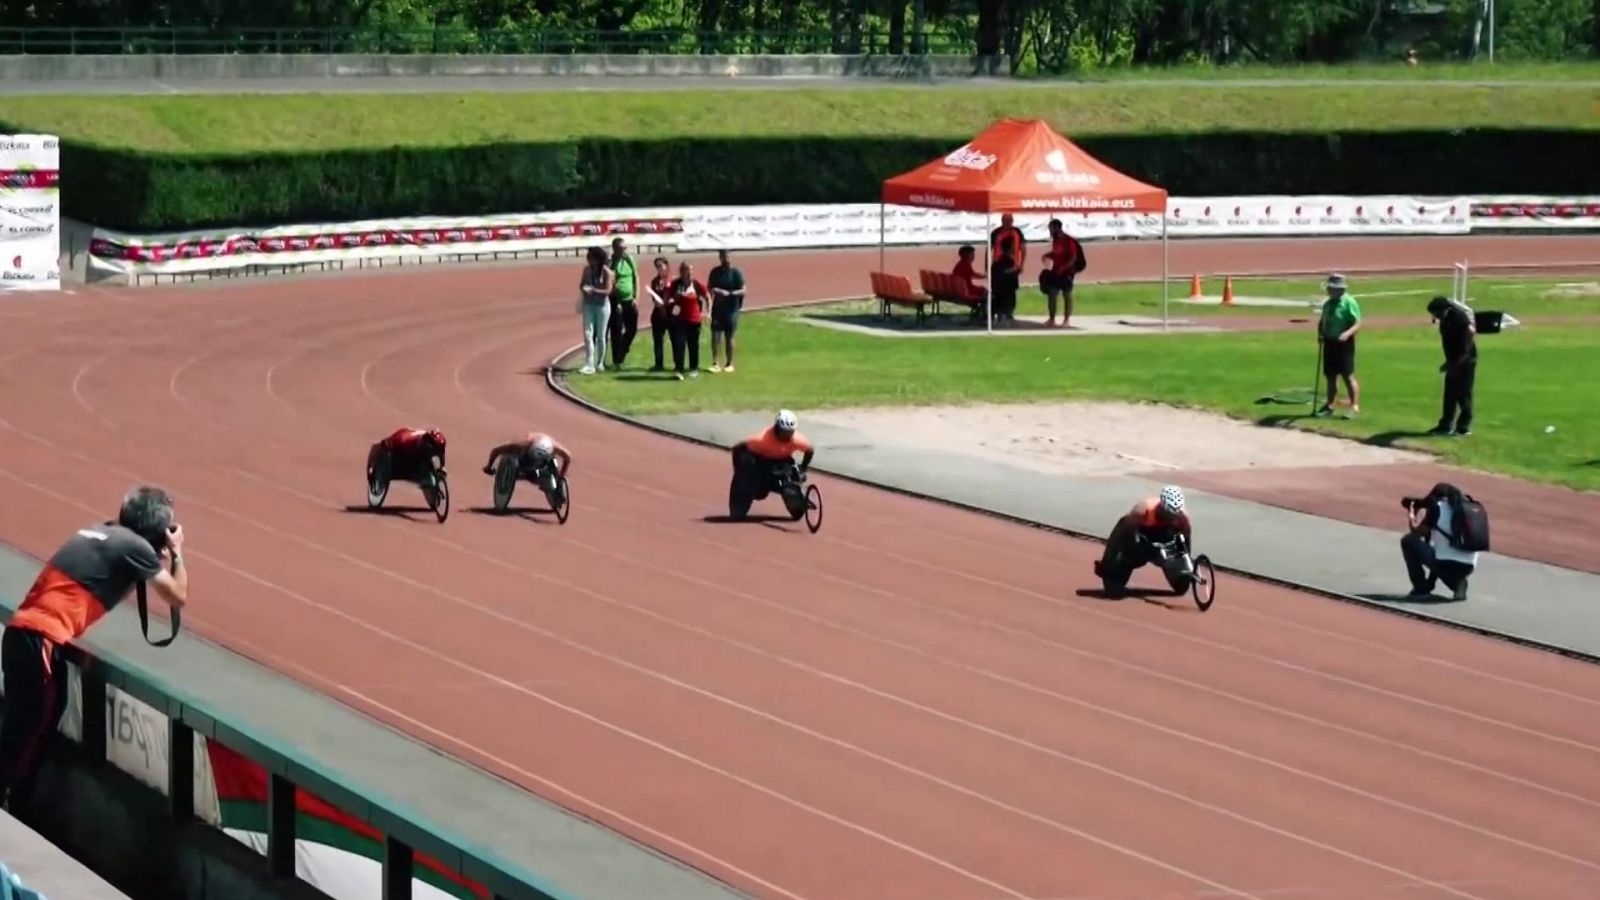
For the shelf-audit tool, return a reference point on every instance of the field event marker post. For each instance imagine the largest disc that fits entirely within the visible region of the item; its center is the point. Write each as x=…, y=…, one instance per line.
x=180, y=768
x=1166, y=267
x=397, y=869
x=280, y=826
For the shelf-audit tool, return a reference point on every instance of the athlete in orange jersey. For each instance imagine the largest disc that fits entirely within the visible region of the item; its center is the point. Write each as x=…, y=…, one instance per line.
x=777, y=444
x=1154, y=520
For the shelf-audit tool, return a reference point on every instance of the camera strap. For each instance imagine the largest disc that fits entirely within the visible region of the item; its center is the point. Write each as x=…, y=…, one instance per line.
x=144, y=618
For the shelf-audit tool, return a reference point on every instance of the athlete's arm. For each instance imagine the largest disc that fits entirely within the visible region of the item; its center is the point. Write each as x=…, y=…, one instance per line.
x=807, y=451
x=563, y=457
x=503, y=449
x=1186, y=528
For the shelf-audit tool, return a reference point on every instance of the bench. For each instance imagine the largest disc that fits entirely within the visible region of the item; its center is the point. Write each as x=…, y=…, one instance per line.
x=946, y=288
x=896, y=290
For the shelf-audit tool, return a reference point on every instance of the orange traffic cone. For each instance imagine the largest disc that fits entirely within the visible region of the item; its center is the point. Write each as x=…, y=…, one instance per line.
x=1194, y=287
x=1227, y=291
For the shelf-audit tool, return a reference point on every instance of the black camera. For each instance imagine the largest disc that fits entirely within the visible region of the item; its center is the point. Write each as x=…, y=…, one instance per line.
x=1413, y=503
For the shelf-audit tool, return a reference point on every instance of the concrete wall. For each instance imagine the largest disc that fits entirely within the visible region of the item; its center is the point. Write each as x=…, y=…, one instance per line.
x=186, y=67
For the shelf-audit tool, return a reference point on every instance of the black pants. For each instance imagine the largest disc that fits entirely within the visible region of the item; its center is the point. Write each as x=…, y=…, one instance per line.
x=36, y=696
x=1458, y=383
x=1424, y=567
x=659, y=326
x=622, y=326
x=686, y=337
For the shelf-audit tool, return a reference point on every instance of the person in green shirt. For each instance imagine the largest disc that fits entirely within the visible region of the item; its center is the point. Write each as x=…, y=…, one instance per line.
x=624, y=311
x=1336, y=328
x=726, y=283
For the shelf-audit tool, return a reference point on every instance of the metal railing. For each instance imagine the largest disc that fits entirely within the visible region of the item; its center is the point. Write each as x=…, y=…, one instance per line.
x=406, y=833
x=119, y=41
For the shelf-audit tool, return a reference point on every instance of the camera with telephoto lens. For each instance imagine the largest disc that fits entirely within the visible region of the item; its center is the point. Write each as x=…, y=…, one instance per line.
x=1413, y=503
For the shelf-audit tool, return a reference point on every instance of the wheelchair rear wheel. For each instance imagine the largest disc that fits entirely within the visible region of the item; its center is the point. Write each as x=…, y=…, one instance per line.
x=505, y=483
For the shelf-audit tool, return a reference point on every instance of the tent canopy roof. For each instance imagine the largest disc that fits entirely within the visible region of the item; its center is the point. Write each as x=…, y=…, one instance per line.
x=1022, y=166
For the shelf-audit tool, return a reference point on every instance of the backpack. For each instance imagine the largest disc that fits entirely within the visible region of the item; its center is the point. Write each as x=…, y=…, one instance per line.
x=1083, y=262
x=1471, y=526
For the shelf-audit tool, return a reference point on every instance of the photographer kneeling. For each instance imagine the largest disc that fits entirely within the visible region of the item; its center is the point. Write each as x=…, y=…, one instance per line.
x=1430, y=547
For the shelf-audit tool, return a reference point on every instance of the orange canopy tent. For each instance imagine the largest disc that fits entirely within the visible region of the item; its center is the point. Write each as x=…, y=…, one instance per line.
x=1023, y=166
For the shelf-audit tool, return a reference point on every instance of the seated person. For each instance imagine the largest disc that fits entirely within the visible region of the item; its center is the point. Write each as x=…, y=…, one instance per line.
x=533, y=453
x=771, y=449
x=410, y=451
x=967, y=277
x=1429, y=554
x=1155, y=520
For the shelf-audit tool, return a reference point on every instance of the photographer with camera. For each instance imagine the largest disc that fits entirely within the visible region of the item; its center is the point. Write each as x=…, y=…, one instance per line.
x=1433, y=546
x=92, y=572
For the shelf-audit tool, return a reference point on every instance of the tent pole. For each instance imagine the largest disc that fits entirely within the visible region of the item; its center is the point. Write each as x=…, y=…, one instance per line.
x=1166, y=270
x=880, y=235
x=988, y=283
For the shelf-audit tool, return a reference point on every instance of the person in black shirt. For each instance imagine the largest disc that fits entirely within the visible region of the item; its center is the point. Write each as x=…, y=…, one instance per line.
x=1458, y=335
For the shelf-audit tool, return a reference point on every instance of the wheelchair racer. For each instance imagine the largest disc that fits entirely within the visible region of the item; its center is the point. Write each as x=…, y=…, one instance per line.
x=767, y=454
x=533, y=453
x=410, y=451
x=1152, y=521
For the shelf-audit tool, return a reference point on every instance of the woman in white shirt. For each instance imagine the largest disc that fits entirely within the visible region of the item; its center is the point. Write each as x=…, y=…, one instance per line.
x=1429, y=554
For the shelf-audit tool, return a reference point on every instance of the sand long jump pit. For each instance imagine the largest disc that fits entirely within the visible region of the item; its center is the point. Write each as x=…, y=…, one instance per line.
x=1106, y=438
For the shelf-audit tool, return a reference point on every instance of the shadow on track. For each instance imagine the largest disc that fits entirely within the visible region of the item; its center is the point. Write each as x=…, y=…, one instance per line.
x=409, y=513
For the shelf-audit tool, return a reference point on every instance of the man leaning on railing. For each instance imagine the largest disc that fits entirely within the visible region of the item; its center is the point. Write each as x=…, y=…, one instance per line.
x=92, y=572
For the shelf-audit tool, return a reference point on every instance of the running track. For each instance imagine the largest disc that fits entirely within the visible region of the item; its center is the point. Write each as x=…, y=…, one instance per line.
x=911, y=704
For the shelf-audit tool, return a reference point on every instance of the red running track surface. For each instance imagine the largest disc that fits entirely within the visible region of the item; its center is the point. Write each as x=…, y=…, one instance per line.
x=912, y=703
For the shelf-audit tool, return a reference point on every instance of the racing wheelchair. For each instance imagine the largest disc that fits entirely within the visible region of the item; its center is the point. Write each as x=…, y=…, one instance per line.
x=755, y=479
x=509, y=470
x=429, y=475
x=1185, y=573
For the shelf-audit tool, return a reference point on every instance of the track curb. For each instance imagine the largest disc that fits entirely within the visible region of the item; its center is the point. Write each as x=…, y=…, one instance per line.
x=556, y=380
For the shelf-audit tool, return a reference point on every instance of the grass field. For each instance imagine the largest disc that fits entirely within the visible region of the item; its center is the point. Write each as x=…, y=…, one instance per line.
x=1526, y=377
x=1572, y=72
x=221, y=123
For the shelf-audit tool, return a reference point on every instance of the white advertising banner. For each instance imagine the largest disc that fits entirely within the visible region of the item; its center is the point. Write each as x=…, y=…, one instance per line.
x=220, y=249
x=697, y=229
x=854, y=225
x=30, y=212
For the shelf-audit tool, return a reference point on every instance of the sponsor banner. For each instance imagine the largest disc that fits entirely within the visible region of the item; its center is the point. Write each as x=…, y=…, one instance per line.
x=334, y=852
x=200, y=251
x=30, y=212
x=1536, y=212
x=846, y=225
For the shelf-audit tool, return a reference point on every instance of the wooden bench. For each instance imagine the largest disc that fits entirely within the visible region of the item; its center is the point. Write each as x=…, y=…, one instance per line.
x=896, y=290
x=946, y=288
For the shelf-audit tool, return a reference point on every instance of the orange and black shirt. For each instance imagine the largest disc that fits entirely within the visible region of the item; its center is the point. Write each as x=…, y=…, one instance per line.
x=92, y=572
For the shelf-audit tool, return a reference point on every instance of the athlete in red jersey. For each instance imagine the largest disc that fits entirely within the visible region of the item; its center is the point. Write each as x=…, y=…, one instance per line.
x=410, y=453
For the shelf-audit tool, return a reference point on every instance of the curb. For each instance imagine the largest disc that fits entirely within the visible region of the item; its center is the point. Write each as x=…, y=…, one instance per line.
x=557, y=382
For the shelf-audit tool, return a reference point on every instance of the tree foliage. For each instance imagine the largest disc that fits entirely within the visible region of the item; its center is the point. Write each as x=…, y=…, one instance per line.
x=1049, y=36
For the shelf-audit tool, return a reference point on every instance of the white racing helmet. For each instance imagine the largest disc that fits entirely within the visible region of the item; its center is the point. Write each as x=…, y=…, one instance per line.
x=542, y=449
x=1172, y=500
x=786, y=421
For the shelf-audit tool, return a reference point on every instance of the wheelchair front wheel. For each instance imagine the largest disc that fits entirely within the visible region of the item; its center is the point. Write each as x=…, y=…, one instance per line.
x=560, y=499
x=439, y=496
x=813, y=508
x=378, y=481
x=1204, y=582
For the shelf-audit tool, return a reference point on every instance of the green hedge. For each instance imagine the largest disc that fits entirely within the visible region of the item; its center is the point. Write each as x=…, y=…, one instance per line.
x=145, y=192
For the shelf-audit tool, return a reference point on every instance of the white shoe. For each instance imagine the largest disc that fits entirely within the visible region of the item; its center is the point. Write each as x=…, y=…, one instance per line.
x=715, y=368
x=586, y=370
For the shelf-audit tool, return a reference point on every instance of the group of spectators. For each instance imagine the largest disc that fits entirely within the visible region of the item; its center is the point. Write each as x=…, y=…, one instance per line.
x=1008, y=254
x=679, y=307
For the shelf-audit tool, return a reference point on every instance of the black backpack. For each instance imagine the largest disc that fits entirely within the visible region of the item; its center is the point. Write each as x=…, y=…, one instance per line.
x=1471, y=526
